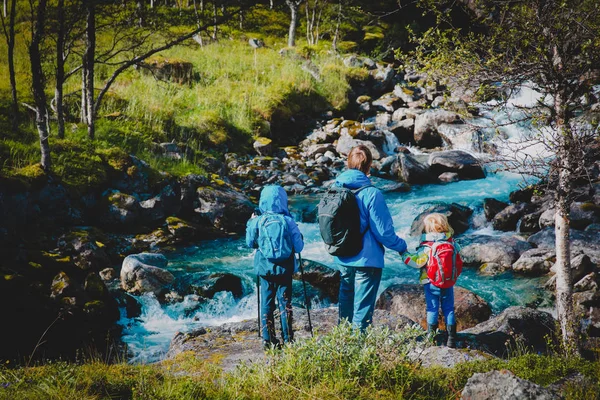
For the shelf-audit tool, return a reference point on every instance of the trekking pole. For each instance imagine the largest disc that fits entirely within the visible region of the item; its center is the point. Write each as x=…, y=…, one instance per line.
x=258, y=301
x=307, y=304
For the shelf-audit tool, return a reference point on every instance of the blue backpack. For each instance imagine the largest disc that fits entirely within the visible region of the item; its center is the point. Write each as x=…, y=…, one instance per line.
x=274, y=238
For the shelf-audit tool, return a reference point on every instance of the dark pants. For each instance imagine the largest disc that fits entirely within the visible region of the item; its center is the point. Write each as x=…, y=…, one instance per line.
x=279, y=286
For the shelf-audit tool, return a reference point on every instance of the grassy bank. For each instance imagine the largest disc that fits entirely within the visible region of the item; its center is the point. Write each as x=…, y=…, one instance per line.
x=237, y=93
x=342, y=364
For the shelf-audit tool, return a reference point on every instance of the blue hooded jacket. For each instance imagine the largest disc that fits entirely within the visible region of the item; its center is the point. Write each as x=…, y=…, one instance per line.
x=273, y=199
x=375, y=219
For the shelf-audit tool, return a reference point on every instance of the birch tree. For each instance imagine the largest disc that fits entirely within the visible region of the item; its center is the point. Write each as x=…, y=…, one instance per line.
x=554, y=45
x=294, y=6
x=37, y=80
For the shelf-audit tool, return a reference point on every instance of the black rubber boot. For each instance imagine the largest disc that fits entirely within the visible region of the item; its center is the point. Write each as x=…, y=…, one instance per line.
x=431, y=331
x=451, y=336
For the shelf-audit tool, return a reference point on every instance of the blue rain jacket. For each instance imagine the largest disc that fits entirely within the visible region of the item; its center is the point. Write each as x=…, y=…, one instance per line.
x=273, y=198
x=375, y=219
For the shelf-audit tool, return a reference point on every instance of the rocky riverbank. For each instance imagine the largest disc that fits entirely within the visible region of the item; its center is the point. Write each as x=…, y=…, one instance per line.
x=62, y=247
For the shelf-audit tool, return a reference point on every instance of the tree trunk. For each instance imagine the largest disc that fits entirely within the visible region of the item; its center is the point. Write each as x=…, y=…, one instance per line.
x=564, y=281
x=9, y=33
x=60, y=68
x=271, y=4
x=84, y=118
x=89, y=60
x=293, y=22
x=214, y=35
x=37, y=84
x=139, y=9
x=337, y=28
x=11, y=65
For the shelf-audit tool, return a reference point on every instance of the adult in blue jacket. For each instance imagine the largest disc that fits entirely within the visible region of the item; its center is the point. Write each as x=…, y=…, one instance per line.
x=361, y=274
x=275, y=279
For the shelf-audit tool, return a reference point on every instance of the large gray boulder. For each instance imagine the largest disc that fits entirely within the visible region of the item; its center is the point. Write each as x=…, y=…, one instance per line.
x=166, y=203
x=507, y=219
x=586, y=242
x=144, y=273
x=461, y=162
x=404, y=130
x=409, y=301
x=504, y=250
x=207, y=285
x=535, y=262
x=491, y=207
x=581, y=215
x=406, y=168
x=426, y=124
x=504, y=385
x=458, y=217
x=225, y=208
x=123, y=210
x=527, y=327
x=346, y=143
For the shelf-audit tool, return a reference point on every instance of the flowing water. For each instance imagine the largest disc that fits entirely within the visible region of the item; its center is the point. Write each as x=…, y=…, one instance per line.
x=148, y=336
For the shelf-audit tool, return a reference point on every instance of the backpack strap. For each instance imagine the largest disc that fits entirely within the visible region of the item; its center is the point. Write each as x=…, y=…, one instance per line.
x=355, y=191
x=453, y=261
x=437, y=258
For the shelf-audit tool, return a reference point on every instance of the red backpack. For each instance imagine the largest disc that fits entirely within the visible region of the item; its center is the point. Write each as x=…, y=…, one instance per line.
x=444, y=265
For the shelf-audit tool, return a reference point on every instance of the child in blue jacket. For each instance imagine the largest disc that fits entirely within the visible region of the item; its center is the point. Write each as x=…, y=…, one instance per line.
x=275, y=277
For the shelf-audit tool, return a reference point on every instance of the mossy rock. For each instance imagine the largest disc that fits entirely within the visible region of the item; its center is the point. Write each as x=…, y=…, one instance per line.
x=355, y=131
x=94, y=286
x=591, y=207
x=26, y=178
x=116, y=158
x=180, y=228
x=94, y=307
x=348, y=123
x=60, y=284
x=363, y=99
x=264, y=141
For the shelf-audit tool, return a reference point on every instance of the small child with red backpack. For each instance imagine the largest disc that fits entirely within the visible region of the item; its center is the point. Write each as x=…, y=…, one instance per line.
x=439, y=260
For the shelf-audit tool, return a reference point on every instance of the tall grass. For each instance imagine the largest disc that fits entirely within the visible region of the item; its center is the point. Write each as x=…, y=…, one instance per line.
x=236, y=92
x=341, y=364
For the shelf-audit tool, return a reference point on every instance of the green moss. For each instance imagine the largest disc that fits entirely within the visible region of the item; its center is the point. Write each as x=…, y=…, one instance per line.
x=116, y=158
x=94, y=306
x=174, y=221
x=589, y=206
x=77, y=164
x=264, y=141
x=347, y=46
x=35, y=265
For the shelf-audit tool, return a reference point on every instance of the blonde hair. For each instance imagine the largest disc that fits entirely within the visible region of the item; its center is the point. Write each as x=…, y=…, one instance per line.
x=437, y=223
x=360, y=158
